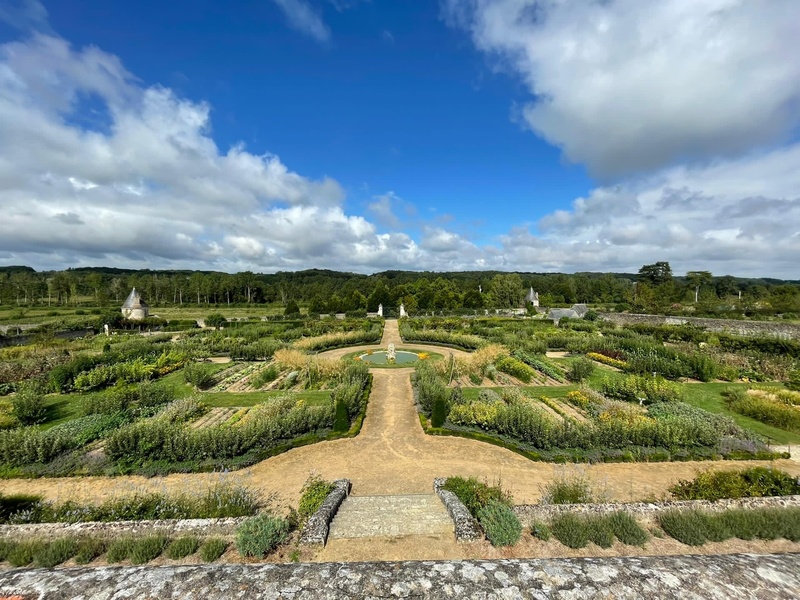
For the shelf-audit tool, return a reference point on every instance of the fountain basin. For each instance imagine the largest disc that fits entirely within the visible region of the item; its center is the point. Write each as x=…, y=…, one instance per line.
x=379, y=357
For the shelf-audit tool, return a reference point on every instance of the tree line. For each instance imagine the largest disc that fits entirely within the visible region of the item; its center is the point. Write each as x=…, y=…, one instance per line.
x=653, y=288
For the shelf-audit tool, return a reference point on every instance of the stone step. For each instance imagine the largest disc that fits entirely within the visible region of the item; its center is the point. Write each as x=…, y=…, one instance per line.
x=390, y=516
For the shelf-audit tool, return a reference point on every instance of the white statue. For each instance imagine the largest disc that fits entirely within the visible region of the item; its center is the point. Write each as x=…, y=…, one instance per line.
x=105, y=328
x=391, y=355
x=380, y=310
x=403, y=311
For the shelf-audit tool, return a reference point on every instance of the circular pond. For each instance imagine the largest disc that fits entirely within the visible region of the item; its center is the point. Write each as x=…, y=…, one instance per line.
x=402, y=357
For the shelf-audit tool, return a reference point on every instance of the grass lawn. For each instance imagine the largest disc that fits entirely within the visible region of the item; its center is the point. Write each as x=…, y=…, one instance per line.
x=708, y=396
x=60, y=409
x=313, y=397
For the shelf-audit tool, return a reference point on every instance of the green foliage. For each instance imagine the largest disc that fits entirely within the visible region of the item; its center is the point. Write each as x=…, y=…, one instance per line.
x=291, y=308
x=762, y=409
x=198, y=375
x=540, y=531
x=88, y=549
x=120, y=549
x=793, y=383
x=475, y=494
x=55, y=552
x=261, y=535
x=695, y=527
x=413, y=330
x=633, y=388
x=147, y=548
x=516, y=368
x=265, y=376
x=627, y=530
x=313, y=494
x=21, y=553
x=28, y=405
x=744, y=483
x=6, y=546
x=580, y=370
x=571, y=530
x=216, y=320
x=541, y=364
x=568, y=490
x=429, y=387
x=501, y=525
x=439, y=411
x=600, y=531
x=26, y=445
x=218, y=501
x=341, y=420
x=182, y=547
x=212, y=549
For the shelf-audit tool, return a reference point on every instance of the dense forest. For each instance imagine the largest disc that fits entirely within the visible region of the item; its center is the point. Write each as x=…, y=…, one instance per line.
x=653, y=289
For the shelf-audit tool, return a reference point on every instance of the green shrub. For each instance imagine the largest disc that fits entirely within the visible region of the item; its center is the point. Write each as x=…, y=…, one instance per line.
x=580, y=369
x=88, y=549
x=120, y=549
x=516, y=368
x=22, y=553
x=265, y=376
x=686, y=526
x=27, y=404
x=147, y=548
x=600, y=531
x=438, y=411
x=475, y=494
x=341, y=418
x=261, y=535
x=571, y=530
x=627, y=530
x=198, y=375
x=568, y=490
x=501, y=525
x=182, y=547
x=744, y=483
x=55, y=552
x=767, y=411
x=540, y=531
x=313, y=494
x=6, y=546
x=212, y=549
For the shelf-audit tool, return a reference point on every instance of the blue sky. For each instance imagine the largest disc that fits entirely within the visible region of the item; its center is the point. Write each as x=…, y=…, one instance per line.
x=365, y=135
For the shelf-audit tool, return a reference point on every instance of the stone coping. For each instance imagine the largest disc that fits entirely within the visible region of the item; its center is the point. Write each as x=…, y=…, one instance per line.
x=315, y=531
x=732, y=576
x=646, y=510
x=466, y=528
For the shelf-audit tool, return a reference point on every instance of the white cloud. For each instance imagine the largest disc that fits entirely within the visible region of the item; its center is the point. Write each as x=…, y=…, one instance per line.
x=387, y=37
x=152, y=189
x=627, y=85
x=302, y=17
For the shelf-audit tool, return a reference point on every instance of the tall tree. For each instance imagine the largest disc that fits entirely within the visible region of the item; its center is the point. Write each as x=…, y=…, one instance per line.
x=656, y=274
x=507, y=290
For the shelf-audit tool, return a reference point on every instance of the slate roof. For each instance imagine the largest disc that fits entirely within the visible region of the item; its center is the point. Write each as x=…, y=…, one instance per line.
x=134, y=301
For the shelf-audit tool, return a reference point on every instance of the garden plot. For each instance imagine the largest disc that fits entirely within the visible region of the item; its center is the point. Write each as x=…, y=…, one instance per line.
x=239, y=380
x=216, y=416
x=226, y=377
x=538, y=403
x=568, y=410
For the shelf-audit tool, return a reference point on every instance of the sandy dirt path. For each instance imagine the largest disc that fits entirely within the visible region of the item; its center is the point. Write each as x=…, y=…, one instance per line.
x=392, y=455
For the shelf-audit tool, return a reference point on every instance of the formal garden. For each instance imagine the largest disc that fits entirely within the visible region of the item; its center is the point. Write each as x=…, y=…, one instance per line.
x=235, y=393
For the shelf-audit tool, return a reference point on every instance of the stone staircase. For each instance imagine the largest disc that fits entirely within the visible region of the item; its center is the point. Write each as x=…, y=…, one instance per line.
x=391, y=517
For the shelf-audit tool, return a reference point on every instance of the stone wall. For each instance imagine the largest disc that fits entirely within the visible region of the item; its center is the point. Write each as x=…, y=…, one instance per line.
x=749, y=328
x=315, y=531
x=646, y=511
x=466, y=528
x=733, y=576
x=169, y=527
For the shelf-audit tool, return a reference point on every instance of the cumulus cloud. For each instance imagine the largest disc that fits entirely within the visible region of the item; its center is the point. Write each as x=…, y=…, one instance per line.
x=303, y=18
x=151, y=188
x=25, y=15
x=624, y=85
